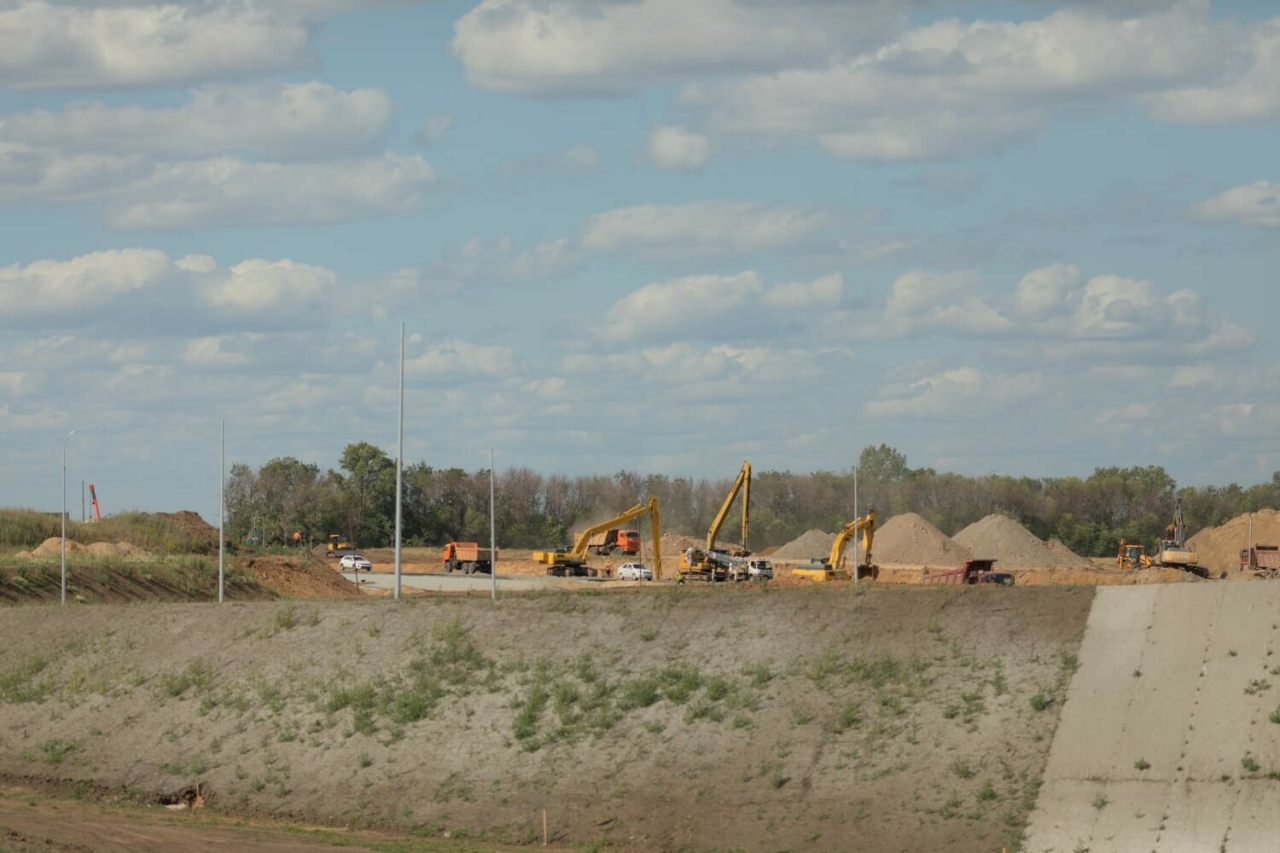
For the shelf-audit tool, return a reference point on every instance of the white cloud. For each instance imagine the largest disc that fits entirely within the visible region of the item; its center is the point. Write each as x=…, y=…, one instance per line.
x=208, y=353
x=564, y=47
x=143, y=292
x=1044, y=291
x=460, y=359
x=922, y=301
x=824, y=292
x=709, y=227
x=676, y=149
x=47, y=45
x=306, y=121
x=681, y=304
x=949, y=89
x=956, y=394
x=1250, y=204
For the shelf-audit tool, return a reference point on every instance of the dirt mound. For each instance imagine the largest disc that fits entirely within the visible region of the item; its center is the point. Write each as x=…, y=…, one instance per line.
x=808, y=545
x=911, y=540
x=998, y=537
x=205, y=534
x=1218, y=548
x=296, y=577
x=1069, y=558
x=674, y=544
x=116, y=549
x=52, y=547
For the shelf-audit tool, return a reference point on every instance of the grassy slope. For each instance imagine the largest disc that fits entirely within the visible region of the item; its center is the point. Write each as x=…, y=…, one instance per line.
x=27, y=529
x=672, y=719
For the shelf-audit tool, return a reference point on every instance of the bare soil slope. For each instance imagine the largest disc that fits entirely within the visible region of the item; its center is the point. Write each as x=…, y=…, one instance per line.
x=672, y=719
x=1218, y=548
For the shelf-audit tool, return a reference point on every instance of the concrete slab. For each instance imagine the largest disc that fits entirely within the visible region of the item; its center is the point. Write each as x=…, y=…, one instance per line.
x=1179, y=679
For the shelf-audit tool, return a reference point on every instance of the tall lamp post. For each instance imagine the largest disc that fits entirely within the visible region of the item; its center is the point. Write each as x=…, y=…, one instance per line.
x=64, y=504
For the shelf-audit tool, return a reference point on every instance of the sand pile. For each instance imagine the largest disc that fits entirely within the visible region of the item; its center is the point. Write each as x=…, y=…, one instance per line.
x=911, y=540
x=1069, y=558
x=1000, y=538
x=808, y=545
x=1218, y=548
x=52, y=547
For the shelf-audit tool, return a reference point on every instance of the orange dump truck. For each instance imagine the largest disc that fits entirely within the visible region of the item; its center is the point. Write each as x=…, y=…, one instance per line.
x=467, y=556
x=615, y=541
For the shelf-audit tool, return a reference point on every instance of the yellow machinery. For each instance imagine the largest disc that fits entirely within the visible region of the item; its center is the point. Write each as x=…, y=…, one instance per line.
x=711, y=563
x=1173, y=548
x=1132, y=556
x=833, y=568
x=339, y=546
x=573, y=562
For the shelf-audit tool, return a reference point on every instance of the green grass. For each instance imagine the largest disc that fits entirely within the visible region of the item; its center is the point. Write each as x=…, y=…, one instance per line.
x=23, y=683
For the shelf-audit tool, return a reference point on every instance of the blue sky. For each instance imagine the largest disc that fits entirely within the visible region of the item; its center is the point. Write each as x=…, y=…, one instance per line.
x=1023, y=237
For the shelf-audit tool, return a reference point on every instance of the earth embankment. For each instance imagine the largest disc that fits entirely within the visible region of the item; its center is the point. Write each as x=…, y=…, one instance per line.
x=673, y=719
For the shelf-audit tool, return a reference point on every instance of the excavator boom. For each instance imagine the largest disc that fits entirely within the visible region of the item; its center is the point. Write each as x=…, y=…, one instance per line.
x=741, y=484
x=575, y=558
x=867, y=527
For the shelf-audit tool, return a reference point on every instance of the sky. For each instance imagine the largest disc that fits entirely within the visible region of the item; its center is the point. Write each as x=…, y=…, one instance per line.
x=1025, y=237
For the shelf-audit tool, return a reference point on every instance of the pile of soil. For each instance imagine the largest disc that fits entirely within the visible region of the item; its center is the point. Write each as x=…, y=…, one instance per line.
x=204, y=533
x=118, y=549
x=911, y=540
x=296, y=577
x=1070, y=558
x=1000, y=538
x=808, y=545
x=1218, y=548
x=674, y=544
x=52, y=547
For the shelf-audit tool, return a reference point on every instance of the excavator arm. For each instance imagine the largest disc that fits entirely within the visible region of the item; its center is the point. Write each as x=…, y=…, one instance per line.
x=867, y=527
x=741, y=484
x=577, y=555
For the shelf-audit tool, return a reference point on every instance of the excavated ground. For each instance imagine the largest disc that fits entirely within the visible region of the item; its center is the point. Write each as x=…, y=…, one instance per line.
x=662, y=719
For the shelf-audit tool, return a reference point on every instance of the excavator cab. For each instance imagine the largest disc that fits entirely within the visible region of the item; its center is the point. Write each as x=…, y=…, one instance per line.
x=1132, y=556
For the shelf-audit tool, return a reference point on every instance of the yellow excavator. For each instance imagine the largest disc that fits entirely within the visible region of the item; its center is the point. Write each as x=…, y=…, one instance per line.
x=1132, y=556
x=833, y=567
x=711, y=563
x=573, y=562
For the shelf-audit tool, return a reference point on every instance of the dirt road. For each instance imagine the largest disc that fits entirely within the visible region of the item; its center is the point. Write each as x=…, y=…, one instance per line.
x=34, y=822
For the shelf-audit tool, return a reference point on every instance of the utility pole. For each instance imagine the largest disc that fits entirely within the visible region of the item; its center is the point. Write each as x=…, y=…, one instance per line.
x=222, y=509
x=399, y=462
x=493, y=537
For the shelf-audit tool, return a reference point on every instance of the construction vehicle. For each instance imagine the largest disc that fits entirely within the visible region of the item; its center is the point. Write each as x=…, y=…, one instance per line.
x=718, y=564
x=93, y=493
x=468, y=557
x=973, y=572
x=833, y=567
x=339, y=546
x=615, y=540
x=1262, y=560
x=1174, y=552
x=1132, y=556
x=573, y=562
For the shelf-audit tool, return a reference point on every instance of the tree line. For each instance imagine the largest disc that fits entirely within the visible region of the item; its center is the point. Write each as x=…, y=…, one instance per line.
x=1090, y=514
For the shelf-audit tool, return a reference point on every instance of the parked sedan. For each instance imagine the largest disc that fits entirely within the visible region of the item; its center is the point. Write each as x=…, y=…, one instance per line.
x=635, y=572
x=355, y=563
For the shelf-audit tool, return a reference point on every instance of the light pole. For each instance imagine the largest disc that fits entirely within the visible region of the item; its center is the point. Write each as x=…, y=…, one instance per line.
x=64, y=504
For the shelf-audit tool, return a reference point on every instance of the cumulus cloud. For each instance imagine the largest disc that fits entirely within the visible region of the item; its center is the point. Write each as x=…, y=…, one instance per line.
x=675, y=149
x=144, y=292
x=567, y=47
x=138, y=193
x=949, y=89
x=460, y=359
x=305, y=121
x=1250, y=204
x=98, y=45
x=955, y=394
x=825, y=292
x=709, y=227
x=681, y=304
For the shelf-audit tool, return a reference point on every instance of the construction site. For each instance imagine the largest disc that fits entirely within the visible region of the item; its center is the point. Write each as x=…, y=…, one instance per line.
x=883, y=686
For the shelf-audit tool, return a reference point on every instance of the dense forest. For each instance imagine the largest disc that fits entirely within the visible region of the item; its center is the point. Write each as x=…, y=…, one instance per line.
x=534, y=510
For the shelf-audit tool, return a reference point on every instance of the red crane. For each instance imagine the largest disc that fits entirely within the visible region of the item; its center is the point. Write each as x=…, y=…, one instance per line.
x=97, y=513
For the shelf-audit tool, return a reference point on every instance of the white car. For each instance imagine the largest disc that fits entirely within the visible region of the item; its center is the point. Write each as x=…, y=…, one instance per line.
x=635, y=572
x=354, y=562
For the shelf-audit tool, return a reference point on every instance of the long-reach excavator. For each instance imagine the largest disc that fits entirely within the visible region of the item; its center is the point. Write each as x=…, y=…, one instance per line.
x=833, y=567
x=573, y=562
x=716, y=564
